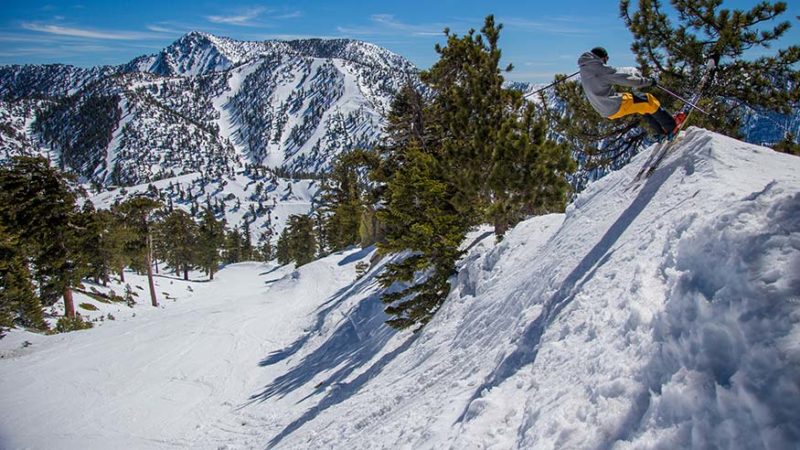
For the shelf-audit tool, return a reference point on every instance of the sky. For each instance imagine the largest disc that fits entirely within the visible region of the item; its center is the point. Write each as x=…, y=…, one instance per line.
x=539, y=38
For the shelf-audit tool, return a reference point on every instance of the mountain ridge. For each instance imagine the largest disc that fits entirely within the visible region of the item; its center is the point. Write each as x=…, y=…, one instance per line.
x=337, y=107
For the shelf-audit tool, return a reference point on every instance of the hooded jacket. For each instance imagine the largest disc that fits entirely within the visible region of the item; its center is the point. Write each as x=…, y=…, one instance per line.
x=598, y=80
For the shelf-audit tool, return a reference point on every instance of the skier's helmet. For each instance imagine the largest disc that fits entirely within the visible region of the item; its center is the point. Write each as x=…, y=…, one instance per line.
x=600, y=52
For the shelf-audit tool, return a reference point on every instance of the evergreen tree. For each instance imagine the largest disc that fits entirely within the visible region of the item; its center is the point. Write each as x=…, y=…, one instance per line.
x=788, y=145
x=298, y=241
x=211, y=237
x=265, y=247
x=178, y=236
x=232, y=250
x=120, y=238
x=38, y=202
x=703, y=29
x=474, y=152
x=344, y=197
x=18, y=302
x=247, y=241
x=94, y=242
x=282, y=248
x=419, y=218
x=138, y=214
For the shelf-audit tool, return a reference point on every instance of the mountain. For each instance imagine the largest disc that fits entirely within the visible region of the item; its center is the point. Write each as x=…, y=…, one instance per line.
x=657, y=315
x=212, y=104
x=208, y=121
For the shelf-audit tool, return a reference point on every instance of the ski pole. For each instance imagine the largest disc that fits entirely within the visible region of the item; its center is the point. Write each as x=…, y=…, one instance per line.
x=553, y=84
x=682, y=99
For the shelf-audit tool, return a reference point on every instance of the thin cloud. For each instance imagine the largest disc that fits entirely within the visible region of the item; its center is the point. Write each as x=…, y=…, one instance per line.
x=564, y=25
x=289, y=15
x=387, y=24
x=546, y=26
x=244, y=18
x=88, y=33
x=161, y=29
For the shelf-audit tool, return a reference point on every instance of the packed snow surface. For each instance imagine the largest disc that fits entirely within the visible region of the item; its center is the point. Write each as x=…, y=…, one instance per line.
x=658, y=315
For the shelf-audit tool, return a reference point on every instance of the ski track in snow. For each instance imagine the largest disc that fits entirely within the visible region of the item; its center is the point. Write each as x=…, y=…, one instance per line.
x=116, y=138
x=651, y=316
x=226, y=121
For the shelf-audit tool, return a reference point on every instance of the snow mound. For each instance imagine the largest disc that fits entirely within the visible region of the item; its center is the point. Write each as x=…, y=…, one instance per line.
x=658, y=315
x=654, y=315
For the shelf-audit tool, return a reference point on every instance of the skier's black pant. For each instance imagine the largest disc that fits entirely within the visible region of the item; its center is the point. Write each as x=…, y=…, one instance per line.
x=660, y=121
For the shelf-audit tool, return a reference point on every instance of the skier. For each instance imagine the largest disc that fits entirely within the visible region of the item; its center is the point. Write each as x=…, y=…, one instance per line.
x=598, y=78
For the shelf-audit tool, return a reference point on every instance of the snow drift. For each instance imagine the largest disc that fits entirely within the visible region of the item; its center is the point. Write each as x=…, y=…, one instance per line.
x=659, y=315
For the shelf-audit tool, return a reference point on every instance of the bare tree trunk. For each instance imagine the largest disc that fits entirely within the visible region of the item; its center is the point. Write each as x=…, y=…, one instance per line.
x=186, y=273
x=122, y=275
x=150, y=270
x=69, y=303
x=500, y=226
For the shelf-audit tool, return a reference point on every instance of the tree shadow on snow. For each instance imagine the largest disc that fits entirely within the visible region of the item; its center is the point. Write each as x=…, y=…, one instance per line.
x=527, y=347
x=359, y=337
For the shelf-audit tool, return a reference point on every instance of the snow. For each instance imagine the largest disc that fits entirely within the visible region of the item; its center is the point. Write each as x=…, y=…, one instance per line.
x=227, y=126
x=664, y=314
x=283, y=197
x=114, y=144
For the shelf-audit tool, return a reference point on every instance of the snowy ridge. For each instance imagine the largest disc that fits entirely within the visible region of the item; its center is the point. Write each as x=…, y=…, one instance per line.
x=293, y=105
x=664, y=315
x=649, y=318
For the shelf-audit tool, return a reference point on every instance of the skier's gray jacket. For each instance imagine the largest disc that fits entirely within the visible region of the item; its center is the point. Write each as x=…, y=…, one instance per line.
x=598, y=80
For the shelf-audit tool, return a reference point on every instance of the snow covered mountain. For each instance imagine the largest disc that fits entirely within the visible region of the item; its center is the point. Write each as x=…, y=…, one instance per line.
x=212, y=104
x=657, y=315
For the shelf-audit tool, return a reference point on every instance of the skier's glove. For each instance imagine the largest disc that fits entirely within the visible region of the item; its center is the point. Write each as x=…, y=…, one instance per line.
x=652, y=81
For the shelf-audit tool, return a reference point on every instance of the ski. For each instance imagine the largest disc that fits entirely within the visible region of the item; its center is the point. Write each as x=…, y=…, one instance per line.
x=689, y=106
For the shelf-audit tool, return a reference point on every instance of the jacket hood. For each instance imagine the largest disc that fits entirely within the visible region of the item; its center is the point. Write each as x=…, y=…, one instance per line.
x=589, y=58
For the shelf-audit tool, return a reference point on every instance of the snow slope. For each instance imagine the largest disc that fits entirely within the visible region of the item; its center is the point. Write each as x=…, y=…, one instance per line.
x=661, y=315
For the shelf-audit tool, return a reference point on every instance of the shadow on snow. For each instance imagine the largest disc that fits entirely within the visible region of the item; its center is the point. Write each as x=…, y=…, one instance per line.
x=358, y=339
x=527, y=347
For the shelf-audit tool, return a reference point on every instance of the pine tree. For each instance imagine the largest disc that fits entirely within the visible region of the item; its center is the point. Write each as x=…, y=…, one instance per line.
x=420, y=218
x=211, y=237
x=298, y=242
x=265, y=248
x=676, y=52
x=94, y=242
x=303, y=241
x=232, y=250
x=178, y=236
x=474, y=152
x=247, y=241
x=344, y=198
x=39, y=202
x=18, y=301
x=282, y=248
x=120, y=237
x=138, y=214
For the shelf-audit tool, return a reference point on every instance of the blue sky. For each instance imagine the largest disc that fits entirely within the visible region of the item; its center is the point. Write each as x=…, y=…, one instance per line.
x=540, y=38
